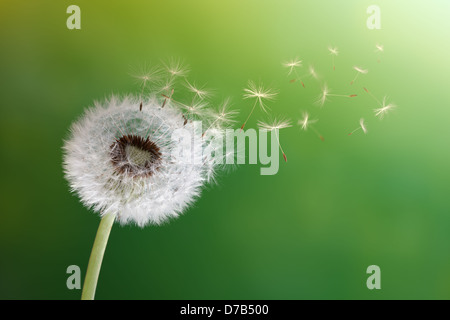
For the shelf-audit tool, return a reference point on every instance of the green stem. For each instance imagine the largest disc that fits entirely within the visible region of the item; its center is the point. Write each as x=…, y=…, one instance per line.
x=95, y=261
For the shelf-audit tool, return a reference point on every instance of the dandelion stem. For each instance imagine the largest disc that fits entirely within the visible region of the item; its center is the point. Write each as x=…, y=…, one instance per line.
x=96, y=258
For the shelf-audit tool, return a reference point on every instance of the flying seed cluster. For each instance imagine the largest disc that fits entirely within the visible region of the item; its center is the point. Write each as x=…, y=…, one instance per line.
x=260, y=94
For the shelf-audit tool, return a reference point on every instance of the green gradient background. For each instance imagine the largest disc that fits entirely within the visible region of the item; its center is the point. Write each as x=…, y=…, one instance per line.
x=308, y=232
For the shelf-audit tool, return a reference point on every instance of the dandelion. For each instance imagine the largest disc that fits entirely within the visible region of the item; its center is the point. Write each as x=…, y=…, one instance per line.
x=358, y=72
x=323, y=97
x=260, y=94
x=306, y=123
x=275, y=126
x=362, y=126
x=126, y=164
x=333, y=52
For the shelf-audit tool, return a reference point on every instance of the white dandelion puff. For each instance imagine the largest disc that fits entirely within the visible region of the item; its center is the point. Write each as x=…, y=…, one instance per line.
x=359, y=71
x=121, y=161
x=275, y=126
x=259, y=93
x=362, y=126
x=135, y=167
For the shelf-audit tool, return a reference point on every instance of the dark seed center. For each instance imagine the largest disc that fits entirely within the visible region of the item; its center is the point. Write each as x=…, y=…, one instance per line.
x=135, y=156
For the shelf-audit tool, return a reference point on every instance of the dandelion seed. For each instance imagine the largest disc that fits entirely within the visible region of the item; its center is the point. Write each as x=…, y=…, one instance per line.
x=313, y=73
x=146, y=75
x=333, y=52
x=310, y=74
x=306, y=123
x=323, y=97
x=166, y=90
x=384, y=109
x=223, y=116
x=275, y=126
x=379, y=48
x=176, y=68
x=260, y=94
x=167, y=86
x=358, y=72
x=196, y=110
x=199, y=92
x=292, y=64
x=362, y=126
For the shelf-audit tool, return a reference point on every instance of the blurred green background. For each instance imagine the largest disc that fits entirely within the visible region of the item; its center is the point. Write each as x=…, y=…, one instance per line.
x=308, y=232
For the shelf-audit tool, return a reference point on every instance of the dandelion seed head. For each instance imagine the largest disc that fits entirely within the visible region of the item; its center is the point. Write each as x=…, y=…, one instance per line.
x=124, y=161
